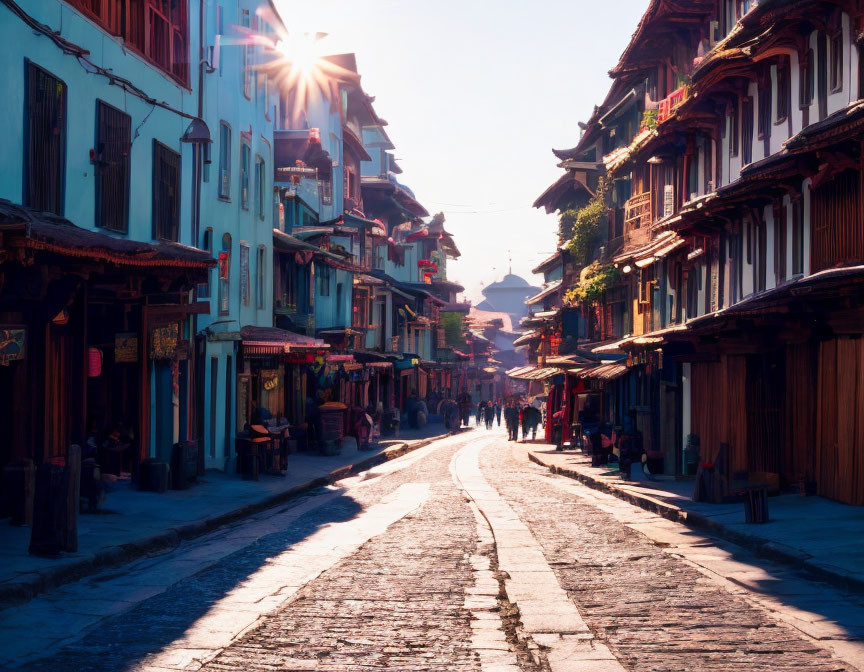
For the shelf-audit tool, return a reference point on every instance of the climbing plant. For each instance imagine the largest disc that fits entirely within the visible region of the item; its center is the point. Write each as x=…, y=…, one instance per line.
x=594, y=280
x=585, y=228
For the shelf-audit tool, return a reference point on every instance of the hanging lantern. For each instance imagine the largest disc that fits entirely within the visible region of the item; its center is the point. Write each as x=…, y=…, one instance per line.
x=94, y=362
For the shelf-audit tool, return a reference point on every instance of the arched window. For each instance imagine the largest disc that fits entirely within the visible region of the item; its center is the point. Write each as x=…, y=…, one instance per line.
x=207, y=246
x=224, y=274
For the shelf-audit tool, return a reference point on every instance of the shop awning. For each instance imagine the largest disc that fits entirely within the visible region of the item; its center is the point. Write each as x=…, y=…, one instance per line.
x=533, y=373
x=657, y=337
x=272, y=341
x=42, y=231
x=569, y=362
x=379, y=365
x=645, y=255
x=527, y=337
x=605, y=372
x=549, y=290
x=336, y=359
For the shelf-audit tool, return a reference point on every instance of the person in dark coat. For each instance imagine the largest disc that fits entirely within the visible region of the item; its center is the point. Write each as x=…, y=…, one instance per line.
x=531, y=417
x=489, y=415
x=511, y=419
x=498, y=411
x=464, y=401
x=481, y=411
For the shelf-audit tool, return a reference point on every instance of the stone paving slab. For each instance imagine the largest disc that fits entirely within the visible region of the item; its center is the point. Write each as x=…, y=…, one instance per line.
x=814, y=533
x=651, y=604
x=544, y=606
x=139, y=523
x=823, y=613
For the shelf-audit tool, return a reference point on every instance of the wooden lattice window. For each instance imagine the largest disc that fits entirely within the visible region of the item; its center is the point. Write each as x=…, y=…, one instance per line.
x=837, y=228
x=45, y=141
x=113, y=145
x=157, y=29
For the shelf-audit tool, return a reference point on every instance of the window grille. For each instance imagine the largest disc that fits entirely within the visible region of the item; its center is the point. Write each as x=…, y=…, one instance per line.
x=45, y=146
x=166, y=193
x=113, y=145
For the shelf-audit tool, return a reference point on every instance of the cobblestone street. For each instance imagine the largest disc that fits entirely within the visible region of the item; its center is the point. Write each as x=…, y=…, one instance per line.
x=392, y=569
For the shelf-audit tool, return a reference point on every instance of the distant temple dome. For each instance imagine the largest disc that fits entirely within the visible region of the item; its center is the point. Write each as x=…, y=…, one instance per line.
x=509, y=281
x=508, y=296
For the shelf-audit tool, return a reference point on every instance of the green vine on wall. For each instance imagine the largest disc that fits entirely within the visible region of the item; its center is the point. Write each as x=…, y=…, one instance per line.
x=582, y=227
x=594, y=280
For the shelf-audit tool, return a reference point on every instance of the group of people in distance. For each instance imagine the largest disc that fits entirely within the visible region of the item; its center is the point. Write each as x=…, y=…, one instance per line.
x=488, y=412
x=516, y=415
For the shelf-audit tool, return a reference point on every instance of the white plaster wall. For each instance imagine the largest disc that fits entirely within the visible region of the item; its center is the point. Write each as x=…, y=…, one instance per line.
x=753, y=93
x=747, y=268
x=770, y=278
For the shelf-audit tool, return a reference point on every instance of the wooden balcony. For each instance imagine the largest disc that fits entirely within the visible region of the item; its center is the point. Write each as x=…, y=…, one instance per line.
x=637, y=212
x=670, y=102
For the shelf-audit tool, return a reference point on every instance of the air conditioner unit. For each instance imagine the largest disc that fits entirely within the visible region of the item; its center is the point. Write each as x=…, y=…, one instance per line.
x=713, y=33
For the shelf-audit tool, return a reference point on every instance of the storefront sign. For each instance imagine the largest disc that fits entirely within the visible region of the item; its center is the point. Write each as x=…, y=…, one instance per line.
x=270, y=380
x=13, y=344
x=126, y=348
x=163, y=342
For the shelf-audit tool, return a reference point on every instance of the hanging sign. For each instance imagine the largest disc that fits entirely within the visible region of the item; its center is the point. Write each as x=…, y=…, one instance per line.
x=163, y=342
x=270, y=380
x=126, y=348
x=13, y=344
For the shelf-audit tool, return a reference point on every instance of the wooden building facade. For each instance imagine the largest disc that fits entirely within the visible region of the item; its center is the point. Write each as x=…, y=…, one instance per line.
x=738, y=201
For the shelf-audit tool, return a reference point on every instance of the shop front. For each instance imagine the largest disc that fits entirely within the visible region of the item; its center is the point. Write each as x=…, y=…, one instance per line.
x=81, y=358
x=275, y=376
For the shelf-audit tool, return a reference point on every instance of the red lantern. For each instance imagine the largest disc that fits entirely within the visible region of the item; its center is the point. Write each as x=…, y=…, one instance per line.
x=94, y=362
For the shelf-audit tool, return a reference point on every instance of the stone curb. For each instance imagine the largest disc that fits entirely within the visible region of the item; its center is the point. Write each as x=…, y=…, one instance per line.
x=767, y=549
x=18, y=592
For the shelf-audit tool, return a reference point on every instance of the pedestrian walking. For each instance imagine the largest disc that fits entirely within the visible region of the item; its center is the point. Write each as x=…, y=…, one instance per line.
x=489, y=415
x=531, y=417
x=464, y=401
x=511, y=419
x=481, y=407
x=498, y=411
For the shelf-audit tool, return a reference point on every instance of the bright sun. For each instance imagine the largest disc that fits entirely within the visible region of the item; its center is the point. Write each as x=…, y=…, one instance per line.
x=300, y=69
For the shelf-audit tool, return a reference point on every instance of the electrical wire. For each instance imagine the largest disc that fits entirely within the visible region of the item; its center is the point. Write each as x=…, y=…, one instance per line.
x=81, y=55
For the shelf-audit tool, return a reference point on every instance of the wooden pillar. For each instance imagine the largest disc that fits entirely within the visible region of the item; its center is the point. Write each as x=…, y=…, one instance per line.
x=565, y=419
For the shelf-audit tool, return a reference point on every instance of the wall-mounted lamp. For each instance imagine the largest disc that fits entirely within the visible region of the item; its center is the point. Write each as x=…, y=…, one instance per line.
x=626, y=269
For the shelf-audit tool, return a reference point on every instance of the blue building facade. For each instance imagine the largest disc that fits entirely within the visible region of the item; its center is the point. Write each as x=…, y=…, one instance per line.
x=98, y=163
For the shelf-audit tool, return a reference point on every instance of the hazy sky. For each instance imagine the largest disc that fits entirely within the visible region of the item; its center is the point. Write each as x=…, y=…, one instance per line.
x=476, y=93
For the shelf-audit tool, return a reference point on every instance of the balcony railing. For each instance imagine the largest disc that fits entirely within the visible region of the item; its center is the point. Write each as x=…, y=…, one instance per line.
x=670, y=102
x=637, y=212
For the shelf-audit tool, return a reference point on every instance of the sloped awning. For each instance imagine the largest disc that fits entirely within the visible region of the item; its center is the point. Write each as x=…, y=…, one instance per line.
x=41, y=231
x=527, y=338
x=272, y=341
x=605, y=372
x=571, y=362
x=533, y=373
x=549, y=290
x=645, y=255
